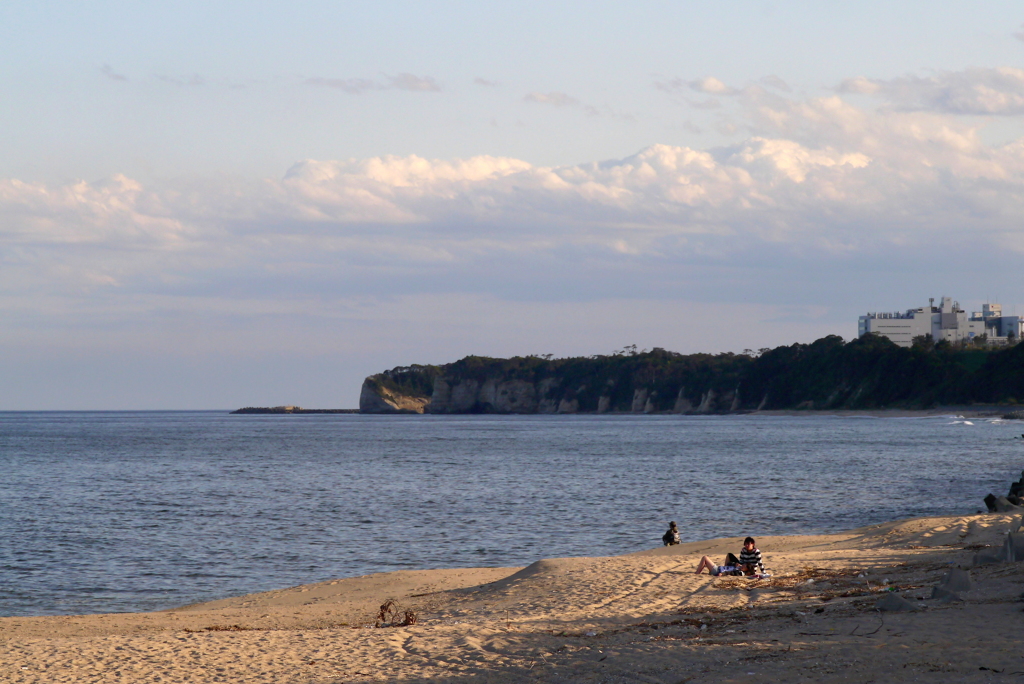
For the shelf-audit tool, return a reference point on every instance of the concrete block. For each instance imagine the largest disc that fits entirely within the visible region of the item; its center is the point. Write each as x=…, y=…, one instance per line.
x=945, y=595
x=989, y=557
x=894, y=603
x=1003, y=505
x=957, y=580
x=1013, y=547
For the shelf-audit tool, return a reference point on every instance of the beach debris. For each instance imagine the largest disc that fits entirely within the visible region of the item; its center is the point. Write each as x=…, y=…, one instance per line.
x=224, y=628
x=881, y=623
x=894, y=603
x=391, y=614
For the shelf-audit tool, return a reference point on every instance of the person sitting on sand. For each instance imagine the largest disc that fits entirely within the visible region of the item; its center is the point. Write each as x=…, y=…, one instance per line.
x=748, y=563
x=671, y=538
x=750, y=558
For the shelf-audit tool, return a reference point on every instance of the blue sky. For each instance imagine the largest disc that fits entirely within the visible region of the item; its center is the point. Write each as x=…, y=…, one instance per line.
x=217, y=204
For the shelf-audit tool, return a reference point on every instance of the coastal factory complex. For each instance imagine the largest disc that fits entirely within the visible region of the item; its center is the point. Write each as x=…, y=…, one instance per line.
x=944, y=322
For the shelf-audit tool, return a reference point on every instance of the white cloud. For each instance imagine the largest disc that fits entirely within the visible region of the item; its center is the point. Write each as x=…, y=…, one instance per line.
x=776, y=82
x=710, y=103
x=986, y=91
x=556, y=99
x=348, y=85
x=825, y=205
x=116, y=211
x=859, y=85
x=109, y=72
x=820, y=180
x=193, y=80
x=711, y=86
x=664, y=190
x=708, y=85
x=415, y=83
x=356, y=86
x=671, y=85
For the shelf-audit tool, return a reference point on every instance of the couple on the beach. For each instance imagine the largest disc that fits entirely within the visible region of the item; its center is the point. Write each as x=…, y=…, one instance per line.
x=749, y=562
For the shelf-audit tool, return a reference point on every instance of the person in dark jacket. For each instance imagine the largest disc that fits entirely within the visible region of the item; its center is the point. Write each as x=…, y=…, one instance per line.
x=671, y=537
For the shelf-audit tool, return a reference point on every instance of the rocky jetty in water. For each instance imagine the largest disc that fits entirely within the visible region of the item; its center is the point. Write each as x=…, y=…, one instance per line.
x=1013, y=502
x=287, y=410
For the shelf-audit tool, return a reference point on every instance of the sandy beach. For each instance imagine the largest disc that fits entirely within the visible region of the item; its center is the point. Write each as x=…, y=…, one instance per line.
x=643, y=617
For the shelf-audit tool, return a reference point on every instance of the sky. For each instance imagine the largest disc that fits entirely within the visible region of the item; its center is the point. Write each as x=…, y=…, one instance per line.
x=209, y=205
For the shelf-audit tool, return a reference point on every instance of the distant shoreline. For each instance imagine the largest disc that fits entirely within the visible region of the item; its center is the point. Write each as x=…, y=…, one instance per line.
x=982, y=411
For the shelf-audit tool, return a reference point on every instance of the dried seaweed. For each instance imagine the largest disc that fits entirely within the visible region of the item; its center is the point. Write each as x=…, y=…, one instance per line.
x=391, y=614
x=226, y=628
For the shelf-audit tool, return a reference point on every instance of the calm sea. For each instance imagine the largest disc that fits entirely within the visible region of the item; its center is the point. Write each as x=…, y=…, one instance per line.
x=106, y=512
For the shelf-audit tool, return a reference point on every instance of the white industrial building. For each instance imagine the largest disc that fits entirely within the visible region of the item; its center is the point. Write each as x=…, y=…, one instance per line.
x=945, y=322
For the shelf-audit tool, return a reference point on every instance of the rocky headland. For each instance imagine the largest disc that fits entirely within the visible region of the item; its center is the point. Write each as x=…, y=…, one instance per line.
x=829, y=374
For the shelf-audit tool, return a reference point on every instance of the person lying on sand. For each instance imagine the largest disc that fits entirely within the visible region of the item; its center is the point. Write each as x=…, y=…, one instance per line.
x=748, y=563
x=730, y=567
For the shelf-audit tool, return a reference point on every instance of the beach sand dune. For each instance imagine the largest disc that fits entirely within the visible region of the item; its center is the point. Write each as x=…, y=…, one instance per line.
x=643, y=617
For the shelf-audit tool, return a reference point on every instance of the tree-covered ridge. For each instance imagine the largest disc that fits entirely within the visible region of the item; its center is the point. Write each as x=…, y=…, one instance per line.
x=870, y=372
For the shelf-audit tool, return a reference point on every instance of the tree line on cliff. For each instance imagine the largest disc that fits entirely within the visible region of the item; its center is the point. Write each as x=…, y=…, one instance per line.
x=865, y=373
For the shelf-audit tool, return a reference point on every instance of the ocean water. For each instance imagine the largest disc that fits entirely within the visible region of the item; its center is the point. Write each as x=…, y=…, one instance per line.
x=121, y=511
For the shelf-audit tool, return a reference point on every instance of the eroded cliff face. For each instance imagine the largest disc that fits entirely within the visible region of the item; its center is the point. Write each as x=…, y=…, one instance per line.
x=549, y=395
x=651, y=382
x=682, y=404
x=374, y=398
x=493, y=395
